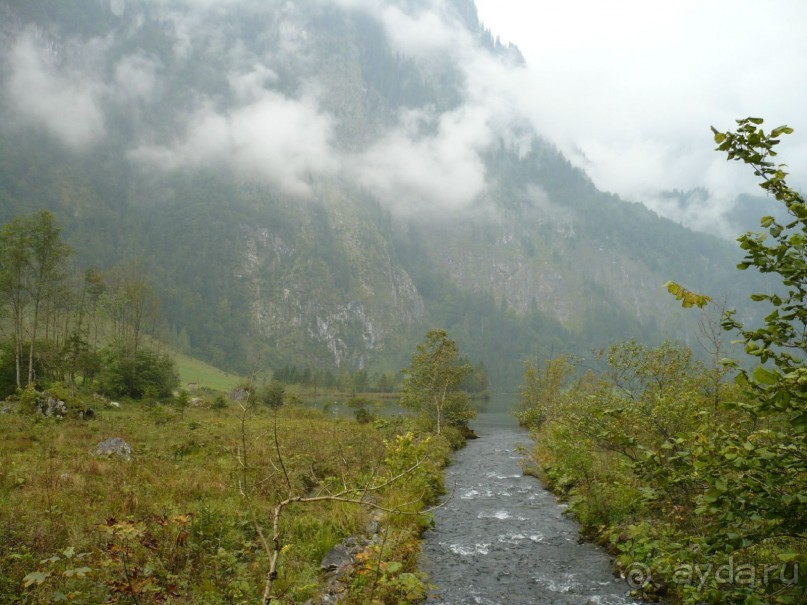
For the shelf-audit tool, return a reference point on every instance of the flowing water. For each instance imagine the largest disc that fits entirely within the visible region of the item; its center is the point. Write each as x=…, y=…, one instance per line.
x=503, y=539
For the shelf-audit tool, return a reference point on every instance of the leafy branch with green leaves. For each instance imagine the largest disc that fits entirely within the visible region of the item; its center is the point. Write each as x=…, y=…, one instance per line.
x=781, y=250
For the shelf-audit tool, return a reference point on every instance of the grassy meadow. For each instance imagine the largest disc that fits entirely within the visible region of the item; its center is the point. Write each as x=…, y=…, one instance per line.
x=192, y=370
x=181, y=520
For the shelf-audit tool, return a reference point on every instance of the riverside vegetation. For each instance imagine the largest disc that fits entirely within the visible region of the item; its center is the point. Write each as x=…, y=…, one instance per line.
x=173, y=523
x=218, y=502
x=698, y=486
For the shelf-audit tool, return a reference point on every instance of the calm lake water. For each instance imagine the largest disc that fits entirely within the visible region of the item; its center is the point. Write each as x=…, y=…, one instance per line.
x=503, y=539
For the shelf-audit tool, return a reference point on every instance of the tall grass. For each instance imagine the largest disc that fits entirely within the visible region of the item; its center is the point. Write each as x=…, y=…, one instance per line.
x=173, y=523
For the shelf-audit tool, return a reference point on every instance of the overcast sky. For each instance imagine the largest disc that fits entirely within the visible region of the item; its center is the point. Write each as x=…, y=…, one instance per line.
x=628, y=88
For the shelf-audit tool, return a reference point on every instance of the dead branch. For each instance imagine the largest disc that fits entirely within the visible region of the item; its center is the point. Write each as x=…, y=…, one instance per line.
x=348, y=495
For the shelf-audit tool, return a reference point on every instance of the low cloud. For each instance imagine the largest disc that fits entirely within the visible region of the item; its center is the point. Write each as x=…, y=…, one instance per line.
x=628, y=90
x=275, y=138
x=251, y=85
x=137, y=78
x=427, y=35
x=596, y=100
x=433, y=160
x=429, y=161
x=65, y=101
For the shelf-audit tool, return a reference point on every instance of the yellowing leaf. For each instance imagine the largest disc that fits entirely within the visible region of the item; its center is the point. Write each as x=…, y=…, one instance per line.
x=35, y=577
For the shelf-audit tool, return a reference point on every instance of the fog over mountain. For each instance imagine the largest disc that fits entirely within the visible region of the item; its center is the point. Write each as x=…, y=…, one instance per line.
x=427, y=155
x=319, y=182
x=264, y=124
x=634, y=86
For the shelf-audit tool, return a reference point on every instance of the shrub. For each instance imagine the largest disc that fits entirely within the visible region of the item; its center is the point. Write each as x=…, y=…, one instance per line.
x=219, y=403
x=273, y=395
x=133, y=374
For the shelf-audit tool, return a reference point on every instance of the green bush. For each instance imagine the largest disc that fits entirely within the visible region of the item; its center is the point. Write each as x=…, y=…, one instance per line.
x=219, y=403
x=273, y=395
x=133, y=374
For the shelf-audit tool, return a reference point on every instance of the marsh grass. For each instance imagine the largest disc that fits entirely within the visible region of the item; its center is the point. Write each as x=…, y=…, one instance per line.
x=172, y=524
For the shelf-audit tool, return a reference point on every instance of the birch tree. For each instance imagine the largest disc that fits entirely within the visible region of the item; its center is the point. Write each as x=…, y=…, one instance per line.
x=32, y=261
x=433, y=383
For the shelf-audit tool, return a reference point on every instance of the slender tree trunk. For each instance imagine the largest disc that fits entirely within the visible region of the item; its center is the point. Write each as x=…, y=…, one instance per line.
x=33, y=343
x=441, y=402
x=18, y=350
x=17, y=306
x=17, y=303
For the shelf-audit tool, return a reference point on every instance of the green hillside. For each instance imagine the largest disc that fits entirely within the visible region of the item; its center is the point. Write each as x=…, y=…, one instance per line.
x=204, y=375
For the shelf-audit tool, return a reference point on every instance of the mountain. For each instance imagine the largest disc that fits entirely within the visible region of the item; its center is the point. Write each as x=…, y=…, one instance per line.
x=743, y=214
x=319, y=183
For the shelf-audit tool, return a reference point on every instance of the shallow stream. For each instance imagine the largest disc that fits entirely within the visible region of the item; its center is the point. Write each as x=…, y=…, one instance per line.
x=503, y=539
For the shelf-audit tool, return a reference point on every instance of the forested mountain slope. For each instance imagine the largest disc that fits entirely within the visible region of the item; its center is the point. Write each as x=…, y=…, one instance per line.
x=307, y=185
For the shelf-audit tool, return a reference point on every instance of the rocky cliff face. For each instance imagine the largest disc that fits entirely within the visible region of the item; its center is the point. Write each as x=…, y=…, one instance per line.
x=342, y=308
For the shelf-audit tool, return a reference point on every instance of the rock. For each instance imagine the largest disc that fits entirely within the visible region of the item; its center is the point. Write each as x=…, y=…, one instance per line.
x=114, y=404
x=469, y=433
x=372, y=526
x=333, y=595
x=338, y=558
x=50, y=407
x=238, y=395
x=339, y=563
x=114, y=447
x=337, y=566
